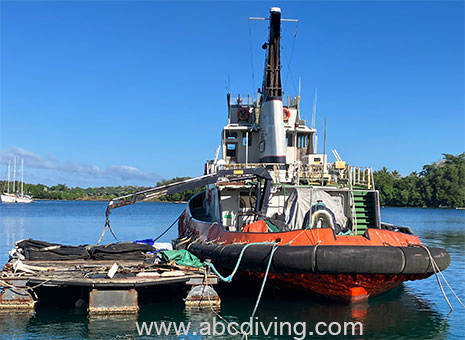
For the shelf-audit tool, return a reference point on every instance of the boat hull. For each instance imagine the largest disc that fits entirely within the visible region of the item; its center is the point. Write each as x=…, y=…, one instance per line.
x=345, y=268
x=6, y=198
x=347, y=288
x=344, y=273
x=9, y=198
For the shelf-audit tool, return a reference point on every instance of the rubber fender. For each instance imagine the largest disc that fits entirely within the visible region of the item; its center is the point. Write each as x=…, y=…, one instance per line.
x=203, y=251
x=326, y=259
x=255, y=258
x=359, y=259
x=287, y=259
x=418, y=260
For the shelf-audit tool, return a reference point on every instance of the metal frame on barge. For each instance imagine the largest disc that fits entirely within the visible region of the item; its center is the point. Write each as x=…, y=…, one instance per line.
x=106, y=286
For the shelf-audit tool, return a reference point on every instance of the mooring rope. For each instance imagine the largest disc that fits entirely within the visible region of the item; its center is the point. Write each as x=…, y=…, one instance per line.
x=448, y=285
x=436, y=269
x=229, y=277
x=213, y=309
x=437, y=278
x=16, y=289
x=273, y=250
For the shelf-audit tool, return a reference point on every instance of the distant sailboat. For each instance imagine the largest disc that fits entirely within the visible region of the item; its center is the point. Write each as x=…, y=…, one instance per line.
x=14, y=196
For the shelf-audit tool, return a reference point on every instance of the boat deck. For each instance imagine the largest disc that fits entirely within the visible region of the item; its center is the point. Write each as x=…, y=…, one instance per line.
x=93, y=273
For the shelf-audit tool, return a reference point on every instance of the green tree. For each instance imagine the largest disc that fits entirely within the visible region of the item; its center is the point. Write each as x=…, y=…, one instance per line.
x=440, y=184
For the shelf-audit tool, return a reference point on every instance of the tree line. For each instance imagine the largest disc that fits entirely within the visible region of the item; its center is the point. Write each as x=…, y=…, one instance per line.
x=440, y=184
x=63, y=192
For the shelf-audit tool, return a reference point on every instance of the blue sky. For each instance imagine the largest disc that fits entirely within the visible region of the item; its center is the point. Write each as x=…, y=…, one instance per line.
x=110, y=93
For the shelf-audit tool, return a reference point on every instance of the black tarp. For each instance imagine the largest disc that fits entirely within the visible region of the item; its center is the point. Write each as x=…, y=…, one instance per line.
x=120, y=251
x=43, y=251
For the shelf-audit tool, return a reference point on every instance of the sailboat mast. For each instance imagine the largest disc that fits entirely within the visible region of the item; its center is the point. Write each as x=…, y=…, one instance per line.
x=22, y=177
x=8, y=176
x=14, y=175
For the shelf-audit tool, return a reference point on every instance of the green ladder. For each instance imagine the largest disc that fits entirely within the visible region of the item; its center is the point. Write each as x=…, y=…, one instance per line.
x=365, y=215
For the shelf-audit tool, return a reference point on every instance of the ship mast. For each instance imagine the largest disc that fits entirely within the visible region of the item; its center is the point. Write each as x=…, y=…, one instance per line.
x=272, y=148
x=272, y=76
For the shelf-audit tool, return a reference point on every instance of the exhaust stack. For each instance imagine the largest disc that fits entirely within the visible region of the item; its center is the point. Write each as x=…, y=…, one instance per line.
x=272, y=136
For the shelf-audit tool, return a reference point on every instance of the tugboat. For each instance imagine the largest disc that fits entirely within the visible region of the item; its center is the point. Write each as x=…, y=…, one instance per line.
x=273, y=186
x=273, y=203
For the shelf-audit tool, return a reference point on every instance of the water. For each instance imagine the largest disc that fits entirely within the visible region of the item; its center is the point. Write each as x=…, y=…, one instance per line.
x=415, y=310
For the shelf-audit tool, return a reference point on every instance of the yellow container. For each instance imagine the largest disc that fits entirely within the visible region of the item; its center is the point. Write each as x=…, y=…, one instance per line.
x=340, y=165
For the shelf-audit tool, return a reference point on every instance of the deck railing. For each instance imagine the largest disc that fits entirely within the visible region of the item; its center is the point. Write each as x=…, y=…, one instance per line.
x=353, y=176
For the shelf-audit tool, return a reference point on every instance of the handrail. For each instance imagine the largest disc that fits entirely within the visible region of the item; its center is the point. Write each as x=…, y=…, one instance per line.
x=350, y=175
x=352, y=204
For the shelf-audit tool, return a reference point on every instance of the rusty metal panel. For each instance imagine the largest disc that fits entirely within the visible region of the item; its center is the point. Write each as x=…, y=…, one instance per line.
x=113, y=301
x=211, y=280
x=15, y=295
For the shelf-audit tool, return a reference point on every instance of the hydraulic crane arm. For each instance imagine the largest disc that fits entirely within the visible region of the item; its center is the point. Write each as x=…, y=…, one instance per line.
x=191, y=183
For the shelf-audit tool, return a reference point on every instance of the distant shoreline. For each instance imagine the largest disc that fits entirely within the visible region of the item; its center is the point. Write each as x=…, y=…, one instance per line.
x=101, y=200
x=103, y=193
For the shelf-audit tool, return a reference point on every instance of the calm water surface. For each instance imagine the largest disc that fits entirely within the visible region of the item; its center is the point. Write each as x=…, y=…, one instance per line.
x=415, y=310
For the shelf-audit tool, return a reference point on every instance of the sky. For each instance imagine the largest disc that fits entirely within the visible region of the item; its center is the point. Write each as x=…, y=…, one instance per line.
x=97, y=93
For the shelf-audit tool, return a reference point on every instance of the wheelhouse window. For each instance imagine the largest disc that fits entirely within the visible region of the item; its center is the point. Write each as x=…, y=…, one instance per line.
x=231, y=135
x=244, y=138
x=302, y=141
x=231, y=149
x=289, y=139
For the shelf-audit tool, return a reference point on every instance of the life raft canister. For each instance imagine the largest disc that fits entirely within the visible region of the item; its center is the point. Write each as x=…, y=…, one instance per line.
x=286, y=114
x=243, y=114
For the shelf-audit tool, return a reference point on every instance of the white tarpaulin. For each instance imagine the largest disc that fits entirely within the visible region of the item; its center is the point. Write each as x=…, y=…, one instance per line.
x=301, y=201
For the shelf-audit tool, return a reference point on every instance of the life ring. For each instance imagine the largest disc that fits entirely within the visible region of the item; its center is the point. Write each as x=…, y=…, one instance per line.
x=323, y=216
x=286, y=114
x=243, y=114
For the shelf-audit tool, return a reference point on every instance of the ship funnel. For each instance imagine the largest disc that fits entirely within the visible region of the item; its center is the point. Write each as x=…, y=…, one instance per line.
x=272, y=146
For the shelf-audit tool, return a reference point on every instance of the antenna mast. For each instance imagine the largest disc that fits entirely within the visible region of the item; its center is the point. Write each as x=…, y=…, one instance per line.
x=324, y=157
x=314, y=109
